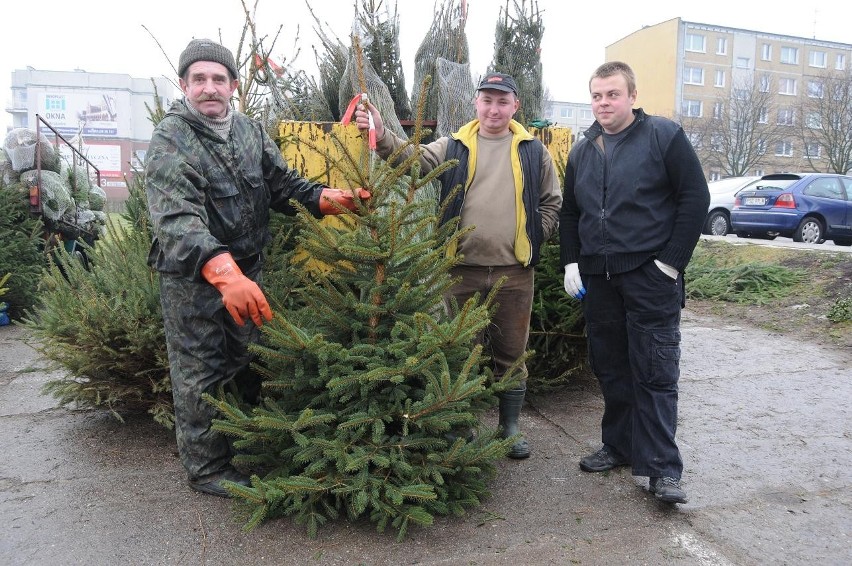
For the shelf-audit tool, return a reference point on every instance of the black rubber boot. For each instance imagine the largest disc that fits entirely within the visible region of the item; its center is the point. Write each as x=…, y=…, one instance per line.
x=510, y=409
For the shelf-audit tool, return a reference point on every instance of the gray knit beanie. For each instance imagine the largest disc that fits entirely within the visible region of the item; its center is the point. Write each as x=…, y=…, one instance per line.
x=206, y=50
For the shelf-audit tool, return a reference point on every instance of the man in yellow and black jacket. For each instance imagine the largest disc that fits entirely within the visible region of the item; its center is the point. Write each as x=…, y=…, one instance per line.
x=511, y=196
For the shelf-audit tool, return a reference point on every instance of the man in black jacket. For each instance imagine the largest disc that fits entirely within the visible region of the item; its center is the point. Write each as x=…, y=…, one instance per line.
x=634, y=200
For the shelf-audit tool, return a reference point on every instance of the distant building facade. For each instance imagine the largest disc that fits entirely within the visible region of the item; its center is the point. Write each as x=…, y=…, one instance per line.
x=575, y=115
x=108, y=111
x=691, y=70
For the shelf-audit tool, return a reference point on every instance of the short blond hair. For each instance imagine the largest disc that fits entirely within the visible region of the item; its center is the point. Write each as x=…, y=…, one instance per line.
x=615, y=68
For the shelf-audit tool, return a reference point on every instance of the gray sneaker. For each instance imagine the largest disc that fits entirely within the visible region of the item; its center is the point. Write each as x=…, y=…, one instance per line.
x=667, y=490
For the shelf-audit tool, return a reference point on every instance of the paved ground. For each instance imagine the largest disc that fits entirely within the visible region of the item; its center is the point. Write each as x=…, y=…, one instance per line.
x=765, y=431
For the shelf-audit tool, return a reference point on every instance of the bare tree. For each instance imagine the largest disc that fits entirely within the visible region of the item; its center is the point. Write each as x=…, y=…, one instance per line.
x=826, y=123
x=741, y=127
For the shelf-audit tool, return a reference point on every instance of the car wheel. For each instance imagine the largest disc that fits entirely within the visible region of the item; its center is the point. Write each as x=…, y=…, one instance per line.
x=810, y=231
x=717, y=224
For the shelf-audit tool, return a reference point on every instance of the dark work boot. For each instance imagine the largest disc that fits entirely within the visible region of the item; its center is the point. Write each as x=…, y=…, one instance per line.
x=212, y=483
x=510, y=409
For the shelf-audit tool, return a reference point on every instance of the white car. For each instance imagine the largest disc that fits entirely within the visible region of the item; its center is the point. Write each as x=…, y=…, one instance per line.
x=718, y=222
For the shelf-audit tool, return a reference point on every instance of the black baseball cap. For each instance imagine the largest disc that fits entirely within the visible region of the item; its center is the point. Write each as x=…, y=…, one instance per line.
x=498, y=81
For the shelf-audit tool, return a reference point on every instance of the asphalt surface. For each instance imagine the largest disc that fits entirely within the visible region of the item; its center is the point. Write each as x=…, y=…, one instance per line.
x=765, y=429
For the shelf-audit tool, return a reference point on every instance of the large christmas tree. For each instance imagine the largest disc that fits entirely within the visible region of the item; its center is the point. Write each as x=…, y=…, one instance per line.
x=373, y=394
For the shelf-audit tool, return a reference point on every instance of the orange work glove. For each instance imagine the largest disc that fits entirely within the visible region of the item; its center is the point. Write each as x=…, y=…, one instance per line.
x=343, y=197
x=240, y=295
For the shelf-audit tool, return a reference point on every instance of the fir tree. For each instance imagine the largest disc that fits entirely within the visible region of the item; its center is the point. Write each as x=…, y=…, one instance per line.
x=103, y=324
x=371, y=390
x=21, y=257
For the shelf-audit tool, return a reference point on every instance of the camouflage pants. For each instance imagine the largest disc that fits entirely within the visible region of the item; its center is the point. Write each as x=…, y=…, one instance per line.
x=206, y=348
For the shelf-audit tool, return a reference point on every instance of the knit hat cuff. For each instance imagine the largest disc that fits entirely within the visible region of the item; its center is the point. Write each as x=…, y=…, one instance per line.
x=206, y=50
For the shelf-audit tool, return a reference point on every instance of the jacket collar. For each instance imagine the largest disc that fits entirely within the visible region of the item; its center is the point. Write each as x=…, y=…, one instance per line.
x=467, y=133
x=596, y=130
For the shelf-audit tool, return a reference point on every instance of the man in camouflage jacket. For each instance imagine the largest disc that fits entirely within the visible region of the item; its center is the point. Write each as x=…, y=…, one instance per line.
x=211, y=176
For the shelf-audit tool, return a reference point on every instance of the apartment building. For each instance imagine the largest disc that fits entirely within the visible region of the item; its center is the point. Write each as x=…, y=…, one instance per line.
x=104, y=113
x=689, y=71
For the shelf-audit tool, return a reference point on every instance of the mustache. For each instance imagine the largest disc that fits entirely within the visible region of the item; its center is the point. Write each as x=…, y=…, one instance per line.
x=210, y=98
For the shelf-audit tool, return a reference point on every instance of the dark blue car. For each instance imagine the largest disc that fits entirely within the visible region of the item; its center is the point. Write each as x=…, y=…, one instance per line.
x=808, y=207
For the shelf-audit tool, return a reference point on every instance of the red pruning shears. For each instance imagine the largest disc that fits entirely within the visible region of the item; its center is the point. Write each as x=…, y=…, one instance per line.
x=350, y=110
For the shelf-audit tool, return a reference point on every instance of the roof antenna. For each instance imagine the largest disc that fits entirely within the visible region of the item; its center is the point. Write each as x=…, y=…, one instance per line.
x=816, y=10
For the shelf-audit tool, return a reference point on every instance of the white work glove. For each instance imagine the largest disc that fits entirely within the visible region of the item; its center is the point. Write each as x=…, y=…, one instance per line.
x=573, y=282
x=667, y=269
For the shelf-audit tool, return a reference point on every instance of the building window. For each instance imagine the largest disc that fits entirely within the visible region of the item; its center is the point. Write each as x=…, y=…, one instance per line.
x=722, y=46
x=818, y=59
x=759, y=172
x=693, y=75
x=720, y=78
x=20, y=97
x=692, y=108
x=766, y=52
x=718, y=107
x=695, y=42
x=743, y=62
x=586, y=114
x=840, y=62
x=765, y=83
x=716, y=142
x=785, y=117
x=784, y=149
x=739, y=94
x=763, y=116
x=565, y=112
x=815, y=89
x=694, y=139
x=714, y=176
x=761, y=146
x=814, y=121
x=790, y=55
x=813, y=150
x=787, y=86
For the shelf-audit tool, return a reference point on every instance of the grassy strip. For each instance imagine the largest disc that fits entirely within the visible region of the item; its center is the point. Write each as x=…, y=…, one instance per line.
x=740, y=274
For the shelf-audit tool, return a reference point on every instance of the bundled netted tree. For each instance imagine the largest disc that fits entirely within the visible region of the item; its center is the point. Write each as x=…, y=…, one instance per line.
x=373, y=65
x=517, y=52
x=377, y=30
x=444, y=56
x=371, y=388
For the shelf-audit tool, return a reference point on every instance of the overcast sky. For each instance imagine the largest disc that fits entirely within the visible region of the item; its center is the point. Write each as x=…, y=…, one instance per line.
x=110, y=36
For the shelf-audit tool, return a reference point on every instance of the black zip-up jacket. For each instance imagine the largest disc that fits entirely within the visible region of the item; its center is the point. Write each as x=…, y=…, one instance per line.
x=208, y=196
x=651, y=203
